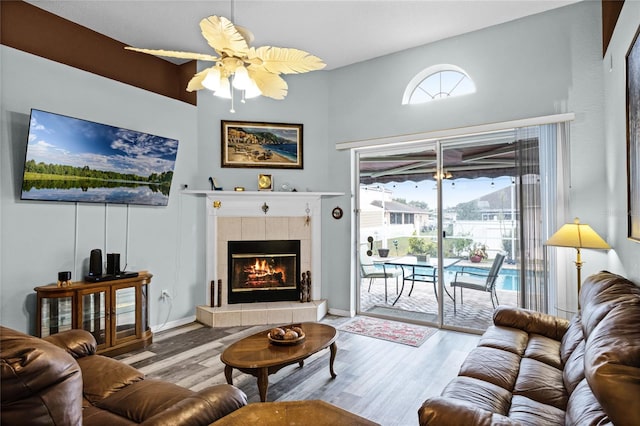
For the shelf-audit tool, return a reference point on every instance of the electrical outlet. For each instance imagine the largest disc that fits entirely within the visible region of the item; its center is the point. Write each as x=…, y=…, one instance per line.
x=165, y=294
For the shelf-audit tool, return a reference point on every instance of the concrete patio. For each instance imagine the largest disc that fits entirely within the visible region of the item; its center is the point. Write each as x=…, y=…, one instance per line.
x=476, y=312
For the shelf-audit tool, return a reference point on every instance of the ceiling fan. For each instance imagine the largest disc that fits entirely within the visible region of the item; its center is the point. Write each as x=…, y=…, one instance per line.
x=254, y=71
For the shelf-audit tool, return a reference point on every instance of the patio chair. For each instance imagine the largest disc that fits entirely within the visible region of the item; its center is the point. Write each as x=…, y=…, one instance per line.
x=478, y=281
x=369, y=270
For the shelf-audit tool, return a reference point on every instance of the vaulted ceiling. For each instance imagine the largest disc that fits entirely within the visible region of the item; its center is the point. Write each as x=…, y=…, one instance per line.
x=339, y=32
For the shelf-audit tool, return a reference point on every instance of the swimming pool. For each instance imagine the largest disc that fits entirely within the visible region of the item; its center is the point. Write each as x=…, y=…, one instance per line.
x=508, y=279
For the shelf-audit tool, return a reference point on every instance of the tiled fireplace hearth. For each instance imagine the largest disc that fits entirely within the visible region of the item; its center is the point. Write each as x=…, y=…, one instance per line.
x=261, y=216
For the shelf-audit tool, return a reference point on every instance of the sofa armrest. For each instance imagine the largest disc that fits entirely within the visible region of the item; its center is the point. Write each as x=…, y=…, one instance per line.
x=79, y=343
x=447, y=411
x=203, y=408
x=531, y=321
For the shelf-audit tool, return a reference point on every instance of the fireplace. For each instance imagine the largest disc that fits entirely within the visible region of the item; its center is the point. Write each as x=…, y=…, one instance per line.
x=263, y=271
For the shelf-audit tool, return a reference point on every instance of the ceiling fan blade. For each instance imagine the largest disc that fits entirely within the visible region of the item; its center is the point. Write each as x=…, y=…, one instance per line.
x=223, y=36
x=270, y=85
x=281, y=60
x=176, y=54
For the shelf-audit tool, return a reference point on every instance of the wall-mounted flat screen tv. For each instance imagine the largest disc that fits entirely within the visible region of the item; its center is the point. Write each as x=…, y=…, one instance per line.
x=69, y=159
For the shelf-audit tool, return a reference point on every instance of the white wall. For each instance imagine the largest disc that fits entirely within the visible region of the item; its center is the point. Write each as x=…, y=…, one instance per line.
x=545, y=64
x=624, y=258
x=38, y=238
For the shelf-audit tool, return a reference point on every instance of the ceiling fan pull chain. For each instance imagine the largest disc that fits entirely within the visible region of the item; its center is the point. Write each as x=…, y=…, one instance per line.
x=232, y=110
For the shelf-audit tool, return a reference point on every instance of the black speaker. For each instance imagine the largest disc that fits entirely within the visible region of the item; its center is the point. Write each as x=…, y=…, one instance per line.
x=95, y=263
x=113, y=263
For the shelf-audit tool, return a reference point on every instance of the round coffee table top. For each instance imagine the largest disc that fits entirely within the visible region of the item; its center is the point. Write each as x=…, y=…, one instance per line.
x=256, y=351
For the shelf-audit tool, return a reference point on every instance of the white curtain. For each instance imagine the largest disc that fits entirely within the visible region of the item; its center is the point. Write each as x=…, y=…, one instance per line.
x=542, y=189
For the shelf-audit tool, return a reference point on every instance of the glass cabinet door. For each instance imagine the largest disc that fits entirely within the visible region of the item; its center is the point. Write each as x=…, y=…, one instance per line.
x=125, y=313
x=94, y=314
x=56, y=315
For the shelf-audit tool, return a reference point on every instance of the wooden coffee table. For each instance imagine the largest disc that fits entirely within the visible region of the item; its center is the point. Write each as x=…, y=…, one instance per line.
x=257, y=356
x=316, y=412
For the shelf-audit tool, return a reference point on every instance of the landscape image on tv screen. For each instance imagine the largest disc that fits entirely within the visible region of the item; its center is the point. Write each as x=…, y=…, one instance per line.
x=69, y=159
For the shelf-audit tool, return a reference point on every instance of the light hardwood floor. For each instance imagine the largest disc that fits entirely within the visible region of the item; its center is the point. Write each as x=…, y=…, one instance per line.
x=382, y=381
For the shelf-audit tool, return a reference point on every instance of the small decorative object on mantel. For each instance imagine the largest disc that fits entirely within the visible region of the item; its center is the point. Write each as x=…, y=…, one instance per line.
x=239, y=188
x=265, y=182
x=64, y=279
x=214, y=184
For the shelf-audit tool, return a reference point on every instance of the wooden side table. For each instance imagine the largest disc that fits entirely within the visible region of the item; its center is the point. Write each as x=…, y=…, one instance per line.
x=318, y=412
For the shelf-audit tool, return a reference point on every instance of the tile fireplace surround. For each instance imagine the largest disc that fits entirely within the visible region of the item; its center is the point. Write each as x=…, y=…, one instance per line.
x=241, y=216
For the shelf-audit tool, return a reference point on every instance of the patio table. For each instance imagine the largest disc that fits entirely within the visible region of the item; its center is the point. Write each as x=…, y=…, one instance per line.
x=417, y=270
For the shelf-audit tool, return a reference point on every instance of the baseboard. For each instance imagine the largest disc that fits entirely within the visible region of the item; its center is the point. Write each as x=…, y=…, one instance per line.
x=341, y=313
x=173, y=324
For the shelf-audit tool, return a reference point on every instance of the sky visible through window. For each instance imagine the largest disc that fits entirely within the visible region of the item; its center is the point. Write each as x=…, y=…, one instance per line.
x=442, y=84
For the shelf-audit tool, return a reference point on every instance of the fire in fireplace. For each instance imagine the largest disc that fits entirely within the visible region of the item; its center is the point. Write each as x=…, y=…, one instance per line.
x=263, y=271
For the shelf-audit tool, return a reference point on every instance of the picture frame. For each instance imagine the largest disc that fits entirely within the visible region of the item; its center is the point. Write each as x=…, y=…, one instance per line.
x=247, y=144
x=633, y=138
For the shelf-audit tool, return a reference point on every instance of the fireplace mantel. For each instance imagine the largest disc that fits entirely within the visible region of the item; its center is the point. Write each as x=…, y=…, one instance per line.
x=252, y=208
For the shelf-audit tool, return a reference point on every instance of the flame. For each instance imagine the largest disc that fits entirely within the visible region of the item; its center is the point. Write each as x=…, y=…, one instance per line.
x=261, y=269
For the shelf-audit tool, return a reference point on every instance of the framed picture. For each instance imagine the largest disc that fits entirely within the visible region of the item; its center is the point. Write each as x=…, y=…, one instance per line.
x=263, y=145
x=633, y=138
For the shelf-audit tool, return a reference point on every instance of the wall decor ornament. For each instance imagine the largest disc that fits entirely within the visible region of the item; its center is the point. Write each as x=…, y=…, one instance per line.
x=265, y=145
x=633, y=138
x=337, y=213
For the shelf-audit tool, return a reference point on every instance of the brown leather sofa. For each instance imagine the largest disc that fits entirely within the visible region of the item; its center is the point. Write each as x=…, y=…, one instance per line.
x=535, y=369
x=59, y=380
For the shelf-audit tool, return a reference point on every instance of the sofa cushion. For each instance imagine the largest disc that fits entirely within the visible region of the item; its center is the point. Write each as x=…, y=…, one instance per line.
x=492, y=365
x=571, y=338
x=144, y=399
x=573, y=371
x=542, y=383
x=544, y=349
x=526, y=411
x=96, y=416
x=583, y=408
x=104, y=376
x=505, y=338
x=480, y=394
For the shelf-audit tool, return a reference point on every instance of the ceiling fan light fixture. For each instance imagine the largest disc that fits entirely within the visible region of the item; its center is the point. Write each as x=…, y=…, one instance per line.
x=224, y=91
x=212, y=80
x=252, y=90
x=241, y=80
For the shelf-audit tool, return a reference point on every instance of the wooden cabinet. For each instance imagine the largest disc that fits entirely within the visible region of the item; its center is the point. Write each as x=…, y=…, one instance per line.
x=115, y=312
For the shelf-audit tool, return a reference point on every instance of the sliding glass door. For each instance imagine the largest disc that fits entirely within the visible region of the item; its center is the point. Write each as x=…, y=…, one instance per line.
x=440, y=228
x=480, y=228
x=398, y=234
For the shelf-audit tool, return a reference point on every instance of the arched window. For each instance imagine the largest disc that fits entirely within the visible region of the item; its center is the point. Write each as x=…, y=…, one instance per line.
x=436, y=82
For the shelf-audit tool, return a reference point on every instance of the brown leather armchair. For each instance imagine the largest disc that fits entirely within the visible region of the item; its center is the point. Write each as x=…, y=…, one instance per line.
x=60, y=380
x=531, y=368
